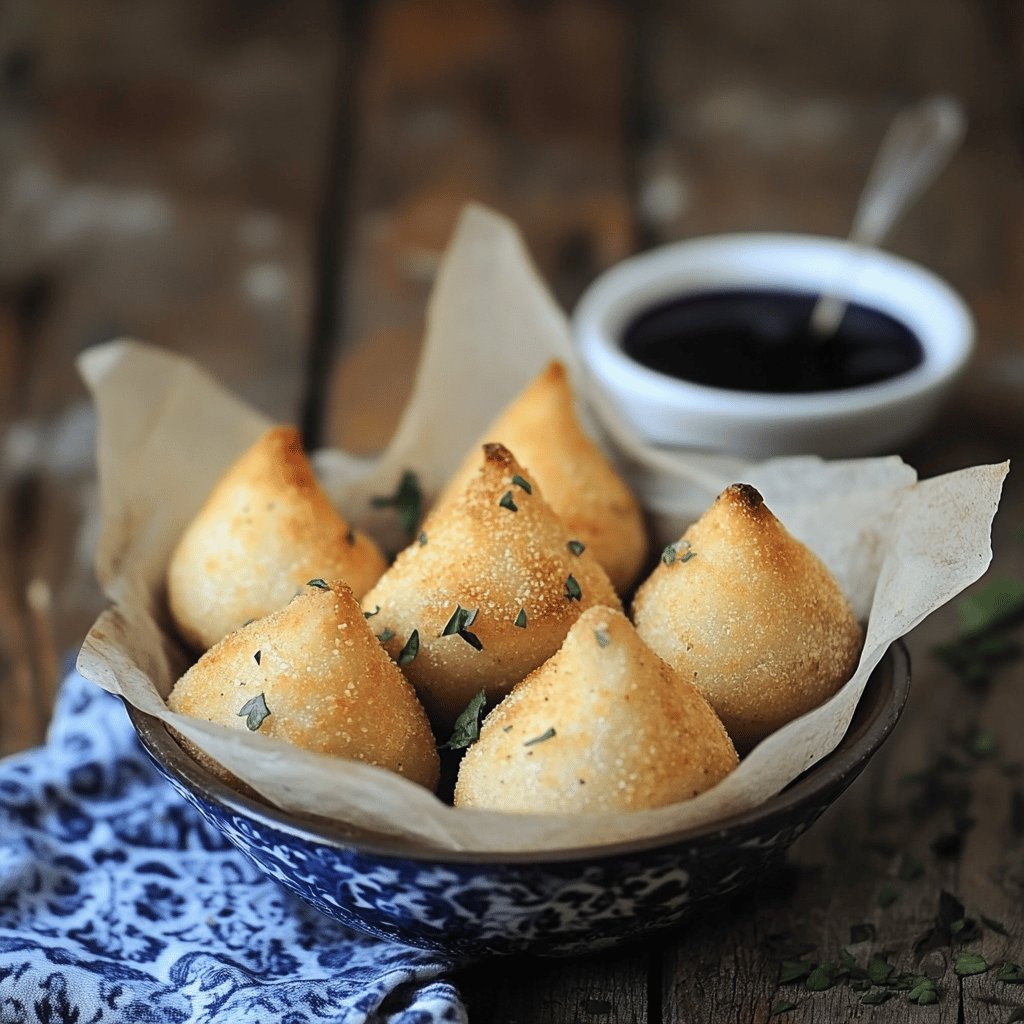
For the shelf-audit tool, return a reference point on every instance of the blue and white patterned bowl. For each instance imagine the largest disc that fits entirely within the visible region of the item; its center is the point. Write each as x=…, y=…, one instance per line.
x=562, y=902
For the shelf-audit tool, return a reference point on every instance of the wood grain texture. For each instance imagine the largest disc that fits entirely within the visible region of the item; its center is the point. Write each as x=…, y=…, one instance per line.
x=520, y=106
x=224, y=179
x=161, y=177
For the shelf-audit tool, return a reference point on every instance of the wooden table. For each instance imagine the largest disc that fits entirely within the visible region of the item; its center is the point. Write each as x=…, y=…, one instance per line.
x=268, y=187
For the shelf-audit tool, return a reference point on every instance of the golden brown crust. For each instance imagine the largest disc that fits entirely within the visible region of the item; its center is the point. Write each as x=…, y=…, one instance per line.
x=541, y=429
x=327, y=683
x=751, y=616
x=266, y=528
x=603, y=725
x=480, y=554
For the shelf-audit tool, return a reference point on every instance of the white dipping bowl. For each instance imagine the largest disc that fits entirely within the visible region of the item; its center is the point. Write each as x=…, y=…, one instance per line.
x=870, y=419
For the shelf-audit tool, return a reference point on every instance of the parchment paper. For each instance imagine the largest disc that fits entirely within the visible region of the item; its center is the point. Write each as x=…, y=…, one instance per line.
x=900, y=548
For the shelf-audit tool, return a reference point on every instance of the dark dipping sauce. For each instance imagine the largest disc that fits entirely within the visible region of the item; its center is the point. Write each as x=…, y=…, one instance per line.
x=762, y=341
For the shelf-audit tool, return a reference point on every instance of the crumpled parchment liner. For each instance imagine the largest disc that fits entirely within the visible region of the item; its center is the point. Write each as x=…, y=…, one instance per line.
x=900, y=548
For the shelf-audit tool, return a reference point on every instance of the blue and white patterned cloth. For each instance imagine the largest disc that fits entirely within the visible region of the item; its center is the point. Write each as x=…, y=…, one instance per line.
x=118, y=902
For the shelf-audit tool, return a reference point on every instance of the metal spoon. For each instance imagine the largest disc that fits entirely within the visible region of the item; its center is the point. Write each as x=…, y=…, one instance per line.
x=916, y=147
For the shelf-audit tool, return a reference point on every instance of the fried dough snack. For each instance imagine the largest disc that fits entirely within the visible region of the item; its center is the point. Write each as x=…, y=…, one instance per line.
x=314, y=675
x=603, y=725
x=750, y=615
x=266, y=528
x=578, y=482
x=487, y=593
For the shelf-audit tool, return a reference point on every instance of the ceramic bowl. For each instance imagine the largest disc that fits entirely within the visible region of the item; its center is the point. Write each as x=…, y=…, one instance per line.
x=563, y=902
x=872, y=419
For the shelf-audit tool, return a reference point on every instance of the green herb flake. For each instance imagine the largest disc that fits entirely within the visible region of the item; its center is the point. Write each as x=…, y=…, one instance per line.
x=407, y=501
x=922, y=991
x=577, y=547
x=508, y=502
x=457, y=625
x=422, y=539
x=686, y=556
x=910, y=868
x=876, y=998
x=459, y=620
x=318, y=583
x=983, y=743
x=387, y=635
x=966, y=964
x=602, y=637
x=544, y=736
x=863, y=932
x=822, y=978
x=1011, y=974
x=370, y=615
x=572, y=589
x=888, y=894
x=520, y=619
x=257, y=657
x=467, y=726
x=794, y=970
x=781, y=1006
x=411, y=648
x=1000, y=600
x=521, y=482
x=668, y=554
x=255, y=712
x=879, y=970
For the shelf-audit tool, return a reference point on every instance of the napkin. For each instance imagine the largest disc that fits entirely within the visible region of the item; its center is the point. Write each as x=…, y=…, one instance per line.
x=119, y=903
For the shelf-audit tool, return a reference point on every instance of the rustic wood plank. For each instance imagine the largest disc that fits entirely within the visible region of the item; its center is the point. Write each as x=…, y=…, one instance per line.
x=604, y=989
x=162, y=176
x=520, y=106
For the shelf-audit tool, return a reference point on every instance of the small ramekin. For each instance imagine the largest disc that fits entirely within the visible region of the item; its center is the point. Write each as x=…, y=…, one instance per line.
x=872, y=419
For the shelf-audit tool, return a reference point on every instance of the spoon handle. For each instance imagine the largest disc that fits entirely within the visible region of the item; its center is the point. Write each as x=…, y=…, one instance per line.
x=916, y=147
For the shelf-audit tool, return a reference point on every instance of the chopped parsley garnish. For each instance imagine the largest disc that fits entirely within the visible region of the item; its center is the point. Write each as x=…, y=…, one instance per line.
x=541, y=738
x=422, y=538
x=319, y=584
x=387, y=635
x=255, y=712
x=524, y=484
x=459, y=623
x=508, y=502
x=602, y=637
x=411, y=648
x=467, y=726
x=577, y=547
x=520, y=619
x=370, y=615
x=407, y=501
x=672, y=552
x=257, y=656
x=572, y=589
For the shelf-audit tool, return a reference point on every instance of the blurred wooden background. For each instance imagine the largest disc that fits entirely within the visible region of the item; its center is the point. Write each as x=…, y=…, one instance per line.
x=268, y=187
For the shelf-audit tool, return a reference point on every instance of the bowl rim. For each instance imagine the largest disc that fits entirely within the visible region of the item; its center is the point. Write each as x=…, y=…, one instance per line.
x=726, y=261
x=868, y=729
